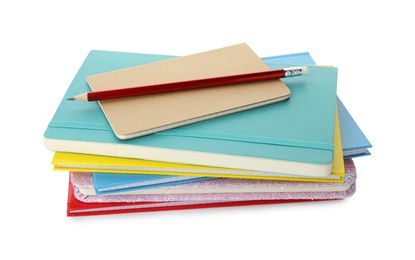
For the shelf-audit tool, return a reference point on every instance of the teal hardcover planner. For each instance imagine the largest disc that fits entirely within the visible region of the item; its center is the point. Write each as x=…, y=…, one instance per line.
x=298, y=130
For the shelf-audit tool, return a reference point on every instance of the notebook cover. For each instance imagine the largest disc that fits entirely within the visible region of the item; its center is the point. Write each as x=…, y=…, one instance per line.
x=294, y=58
x=354, y=140
x=249, y=133
x=91, y=163
x=136, y=116
x=107, y=183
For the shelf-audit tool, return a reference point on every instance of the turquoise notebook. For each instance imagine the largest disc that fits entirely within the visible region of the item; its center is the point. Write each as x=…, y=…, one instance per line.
x=299, y=131
x=354, y=141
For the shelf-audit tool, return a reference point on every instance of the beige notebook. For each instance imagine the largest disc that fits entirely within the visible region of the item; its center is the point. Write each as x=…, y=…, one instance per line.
x=137, y=116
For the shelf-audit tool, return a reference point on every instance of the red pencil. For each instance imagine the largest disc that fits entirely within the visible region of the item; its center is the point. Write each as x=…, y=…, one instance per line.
x=190, y=84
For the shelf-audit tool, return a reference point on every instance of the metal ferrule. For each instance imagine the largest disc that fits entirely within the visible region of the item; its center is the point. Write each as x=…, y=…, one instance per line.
x=294, y=71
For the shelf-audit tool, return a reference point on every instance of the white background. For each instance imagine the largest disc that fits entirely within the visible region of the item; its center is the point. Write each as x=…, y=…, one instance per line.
x=43, y=45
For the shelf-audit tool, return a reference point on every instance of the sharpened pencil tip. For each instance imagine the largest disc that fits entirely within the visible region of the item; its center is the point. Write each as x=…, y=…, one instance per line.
x=71, y=98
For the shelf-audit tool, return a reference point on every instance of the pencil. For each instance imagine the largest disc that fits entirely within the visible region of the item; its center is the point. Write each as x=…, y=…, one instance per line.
x=190, y=84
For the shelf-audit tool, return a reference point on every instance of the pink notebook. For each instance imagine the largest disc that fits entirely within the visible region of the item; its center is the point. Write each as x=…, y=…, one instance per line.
x=80, y=204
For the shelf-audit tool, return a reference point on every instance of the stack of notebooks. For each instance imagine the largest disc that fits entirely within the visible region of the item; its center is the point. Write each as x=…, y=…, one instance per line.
x=268, y=142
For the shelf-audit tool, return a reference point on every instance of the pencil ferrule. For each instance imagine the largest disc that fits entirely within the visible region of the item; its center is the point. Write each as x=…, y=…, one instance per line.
x=293, y=71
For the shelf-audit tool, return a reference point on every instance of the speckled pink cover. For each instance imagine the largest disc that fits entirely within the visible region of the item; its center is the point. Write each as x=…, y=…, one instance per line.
x=84, y=180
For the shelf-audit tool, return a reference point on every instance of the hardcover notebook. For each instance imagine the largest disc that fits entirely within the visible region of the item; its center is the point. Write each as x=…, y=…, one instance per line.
x=354, y=141
x=93, y=163
x=292, y=137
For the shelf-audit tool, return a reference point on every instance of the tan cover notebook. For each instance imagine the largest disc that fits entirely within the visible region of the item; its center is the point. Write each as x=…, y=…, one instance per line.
x=137, y=116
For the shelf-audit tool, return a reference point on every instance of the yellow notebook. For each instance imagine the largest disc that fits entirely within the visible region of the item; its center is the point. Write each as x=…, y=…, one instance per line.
x=96, y=163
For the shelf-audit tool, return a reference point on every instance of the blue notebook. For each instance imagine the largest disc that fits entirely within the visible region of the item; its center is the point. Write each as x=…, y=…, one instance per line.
x=354, y=141
x=295, y=58
x=107, y=183
x=293, y=137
